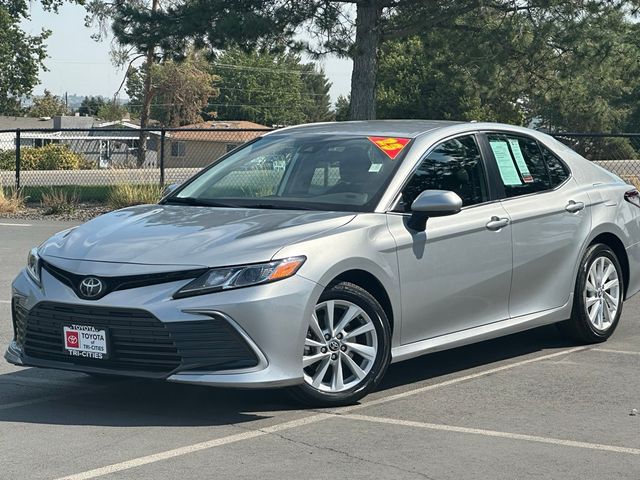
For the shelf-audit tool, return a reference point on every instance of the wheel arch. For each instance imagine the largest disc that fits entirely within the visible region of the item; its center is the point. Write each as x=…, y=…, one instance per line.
x=371, y=284
x=615, y=243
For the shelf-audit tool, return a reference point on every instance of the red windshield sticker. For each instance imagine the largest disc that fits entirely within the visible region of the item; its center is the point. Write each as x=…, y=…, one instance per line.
x=392, y=146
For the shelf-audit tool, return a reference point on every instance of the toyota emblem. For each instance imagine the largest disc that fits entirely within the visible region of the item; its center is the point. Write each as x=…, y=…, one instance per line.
x=91, y=287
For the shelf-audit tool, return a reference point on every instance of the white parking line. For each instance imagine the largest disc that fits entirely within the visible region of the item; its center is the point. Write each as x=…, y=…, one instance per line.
x=453, y=381
x=494, y=433
x=157, y=457
x=178, y=452
x=5, y=301
x=15, y=225
x=608, y=350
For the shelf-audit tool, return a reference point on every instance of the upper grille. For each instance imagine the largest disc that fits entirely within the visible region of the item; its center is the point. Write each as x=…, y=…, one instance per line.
x=138, y=342
x=113, y=284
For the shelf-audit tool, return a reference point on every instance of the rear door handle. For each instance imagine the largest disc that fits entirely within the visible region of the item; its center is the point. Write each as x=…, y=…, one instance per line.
x=496, y=223
x=573, y=207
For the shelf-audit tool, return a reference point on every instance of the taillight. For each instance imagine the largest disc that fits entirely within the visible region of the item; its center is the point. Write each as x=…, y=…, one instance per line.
x=632, y=196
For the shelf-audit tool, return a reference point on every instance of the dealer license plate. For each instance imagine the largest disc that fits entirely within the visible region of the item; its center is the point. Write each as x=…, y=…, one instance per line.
x=85, y=341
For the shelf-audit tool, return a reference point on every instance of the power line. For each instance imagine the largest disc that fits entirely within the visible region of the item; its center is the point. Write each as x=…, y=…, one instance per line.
x=287, y=105
x=264, y=69
x=263, y=91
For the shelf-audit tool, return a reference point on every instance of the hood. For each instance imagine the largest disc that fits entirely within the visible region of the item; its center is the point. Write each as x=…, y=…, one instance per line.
x=189, y=236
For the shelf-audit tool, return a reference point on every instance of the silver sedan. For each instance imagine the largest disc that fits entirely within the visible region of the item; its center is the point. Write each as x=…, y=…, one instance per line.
x=315, y=256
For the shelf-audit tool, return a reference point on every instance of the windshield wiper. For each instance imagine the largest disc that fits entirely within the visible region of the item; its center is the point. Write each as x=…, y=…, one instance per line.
x=197, y=202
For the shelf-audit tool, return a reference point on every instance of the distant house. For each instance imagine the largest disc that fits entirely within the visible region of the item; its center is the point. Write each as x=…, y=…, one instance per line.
x=202, y=143
x=31, y=138
x=115, y=144
x=8, y=125
x=114, y=147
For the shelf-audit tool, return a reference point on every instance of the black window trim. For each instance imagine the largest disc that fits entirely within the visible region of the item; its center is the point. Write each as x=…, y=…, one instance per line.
x=499, y=185
x=492, y=193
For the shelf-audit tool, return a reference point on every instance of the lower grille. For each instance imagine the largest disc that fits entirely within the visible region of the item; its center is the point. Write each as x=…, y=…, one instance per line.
x=139, y=343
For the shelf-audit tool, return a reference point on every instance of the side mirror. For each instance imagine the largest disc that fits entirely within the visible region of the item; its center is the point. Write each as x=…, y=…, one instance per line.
x=169, y=189
x=433, y=203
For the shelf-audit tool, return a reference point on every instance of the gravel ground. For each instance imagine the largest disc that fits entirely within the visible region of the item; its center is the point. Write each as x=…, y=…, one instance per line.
x=82, y=213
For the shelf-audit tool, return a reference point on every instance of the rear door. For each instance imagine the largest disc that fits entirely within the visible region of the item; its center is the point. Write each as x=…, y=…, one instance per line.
x=549, y=221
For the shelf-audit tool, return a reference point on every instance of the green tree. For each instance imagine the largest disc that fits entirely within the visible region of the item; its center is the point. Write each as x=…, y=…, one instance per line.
x=48, y=105
x=21, y=57
x=181, y=90
x=91, y=105
x=342, y=108
x=594, y=83
x=577, y=74
x=270, y=88
x=112, y=111
x=217, y=23
x=316, y=87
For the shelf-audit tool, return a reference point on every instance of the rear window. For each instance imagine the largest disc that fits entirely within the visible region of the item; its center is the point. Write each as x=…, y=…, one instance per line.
x=558, y=171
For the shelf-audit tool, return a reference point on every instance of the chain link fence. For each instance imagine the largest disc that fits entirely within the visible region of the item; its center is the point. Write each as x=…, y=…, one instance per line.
x=92, y=160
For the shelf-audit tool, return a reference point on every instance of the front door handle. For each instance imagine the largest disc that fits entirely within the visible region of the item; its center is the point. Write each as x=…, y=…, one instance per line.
x=496, y=223
x=574, y=207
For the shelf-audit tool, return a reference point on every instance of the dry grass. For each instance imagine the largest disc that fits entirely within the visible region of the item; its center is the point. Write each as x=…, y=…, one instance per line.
x=11, y=200
x=56, y=201
x=122, y=196
x=632, y=180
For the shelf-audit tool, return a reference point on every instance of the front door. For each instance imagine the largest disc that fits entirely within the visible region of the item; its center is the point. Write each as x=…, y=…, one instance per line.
x=456, y=274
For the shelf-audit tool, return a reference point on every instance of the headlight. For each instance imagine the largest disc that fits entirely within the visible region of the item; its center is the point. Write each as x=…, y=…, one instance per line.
x=33, y=265
x=218, y=279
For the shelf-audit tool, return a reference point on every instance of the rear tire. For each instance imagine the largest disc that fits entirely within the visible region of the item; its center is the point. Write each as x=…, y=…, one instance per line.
x=347, y=351
x=598, y=297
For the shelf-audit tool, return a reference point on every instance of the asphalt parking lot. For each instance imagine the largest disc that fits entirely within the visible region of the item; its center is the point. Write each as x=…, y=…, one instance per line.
x=531, y=405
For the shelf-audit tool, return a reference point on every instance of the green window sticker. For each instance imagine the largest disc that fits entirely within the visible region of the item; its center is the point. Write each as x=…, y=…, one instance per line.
x=505, y=163
x=522, y=165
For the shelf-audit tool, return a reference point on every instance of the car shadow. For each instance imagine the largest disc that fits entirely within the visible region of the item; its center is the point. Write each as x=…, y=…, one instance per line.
x=485, y=353
x=77, y=399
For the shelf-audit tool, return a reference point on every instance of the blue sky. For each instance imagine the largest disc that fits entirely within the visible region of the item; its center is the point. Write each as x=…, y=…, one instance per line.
x=79, y=65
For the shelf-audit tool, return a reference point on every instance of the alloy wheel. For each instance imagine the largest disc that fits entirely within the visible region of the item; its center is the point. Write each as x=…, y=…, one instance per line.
x=340, y=347
x=602, y=293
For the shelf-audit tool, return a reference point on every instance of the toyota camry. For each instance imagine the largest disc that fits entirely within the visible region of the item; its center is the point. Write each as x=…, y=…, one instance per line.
x=314, y=256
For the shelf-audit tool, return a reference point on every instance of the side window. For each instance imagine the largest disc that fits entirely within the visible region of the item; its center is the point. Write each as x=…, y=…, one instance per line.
x=558, y=172
x=178, y=149
x=454, y=165
x=520, y=163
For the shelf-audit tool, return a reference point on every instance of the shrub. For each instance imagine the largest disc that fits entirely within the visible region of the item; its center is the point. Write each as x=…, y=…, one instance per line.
x=122, y=196
x=55, y=156
x=11, y=200
x=8, y=160
x=59, y=201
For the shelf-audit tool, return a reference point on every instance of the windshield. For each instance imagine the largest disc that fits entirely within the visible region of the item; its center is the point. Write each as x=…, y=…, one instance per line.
x=320, y=172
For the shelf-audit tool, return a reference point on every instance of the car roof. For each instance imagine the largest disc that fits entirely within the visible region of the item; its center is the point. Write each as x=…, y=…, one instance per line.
x=394, y=128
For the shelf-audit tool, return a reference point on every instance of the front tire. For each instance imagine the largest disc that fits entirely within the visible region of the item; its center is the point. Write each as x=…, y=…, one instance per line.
x=598, y=297
x=347, y=348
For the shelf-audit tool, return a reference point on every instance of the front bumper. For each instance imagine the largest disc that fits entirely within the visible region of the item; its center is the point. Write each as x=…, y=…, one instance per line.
x=270, y=319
